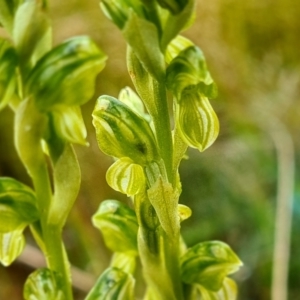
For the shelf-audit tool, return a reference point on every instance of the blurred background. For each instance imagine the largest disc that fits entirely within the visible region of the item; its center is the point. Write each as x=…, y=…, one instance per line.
x=252, y=50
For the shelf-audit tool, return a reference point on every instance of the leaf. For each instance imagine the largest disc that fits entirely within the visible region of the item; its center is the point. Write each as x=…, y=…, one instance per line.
x=8, y=64
x=119, y=227
x=43, y=284
x=196, y=121
x=126, y=177
x=165, y=203
x=66, y=74
x=31, y=34
x=11, y=245
x=67, y=178
x=122, y=133
x=17, y=205
x=113, y=284
x=208, y=264
x=132, y=100
x=142, y=37
x=227, y=292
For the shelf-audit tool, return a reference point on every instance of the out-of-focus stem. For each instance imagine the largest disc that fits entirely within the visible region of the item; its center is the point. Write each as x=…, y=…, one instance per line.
x=283, y=219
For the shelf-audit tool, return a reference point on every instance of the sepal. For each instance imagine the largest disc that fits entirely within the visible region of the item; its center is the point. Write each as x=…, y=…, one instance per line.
x=189, y=70
x=122, y=133
x=176, y=46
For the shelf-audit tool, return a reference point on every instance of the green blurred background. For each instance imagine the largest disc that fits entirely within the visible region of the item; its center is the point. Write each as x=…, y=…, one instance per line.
x=252, y=50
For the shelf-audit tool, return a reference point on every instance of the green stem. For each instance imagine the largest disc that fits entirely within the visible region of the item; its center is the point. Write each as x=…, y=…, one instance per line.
x=161, y=121
x=55, y=252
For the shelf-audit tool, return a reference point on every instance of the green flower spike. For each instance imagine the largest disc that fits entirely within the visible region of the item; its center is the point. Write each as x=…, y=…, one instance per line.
x=122, y=133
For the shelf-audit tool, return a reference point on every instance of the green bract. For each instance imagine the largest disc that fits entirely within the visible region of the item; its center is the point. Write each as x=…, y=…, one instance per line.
x=118, y=225
x=66, y=74
x=126, y=177
x=197, y=122
x=188, y=70
x=113, y=284
x=142, y=37
x=43, y=284
x=208, y=264
x=11, y=245
x=161, y=196
x=17, y=205
x=122, y=133
x=8, y=64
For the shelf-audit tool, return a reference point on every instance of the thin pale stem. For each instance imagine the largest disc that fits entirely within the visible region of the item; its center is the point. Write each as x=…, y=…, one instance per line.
x=55, y=253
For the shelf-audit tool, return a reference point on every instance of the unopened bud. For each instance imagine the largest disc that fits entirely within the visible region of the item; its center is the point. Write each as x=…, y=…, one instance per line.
x=197, y=122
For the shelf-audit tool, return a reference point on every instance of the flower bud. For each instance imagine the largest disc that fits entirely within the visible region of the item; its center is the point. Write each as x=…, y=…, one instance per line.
x=208, y=264
x=118, y=225
x=122, y=133
x=188, y=70
x=126, y=177
x=113, y=284
x=66, y=74
x=43, y=284
x=197, y=122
